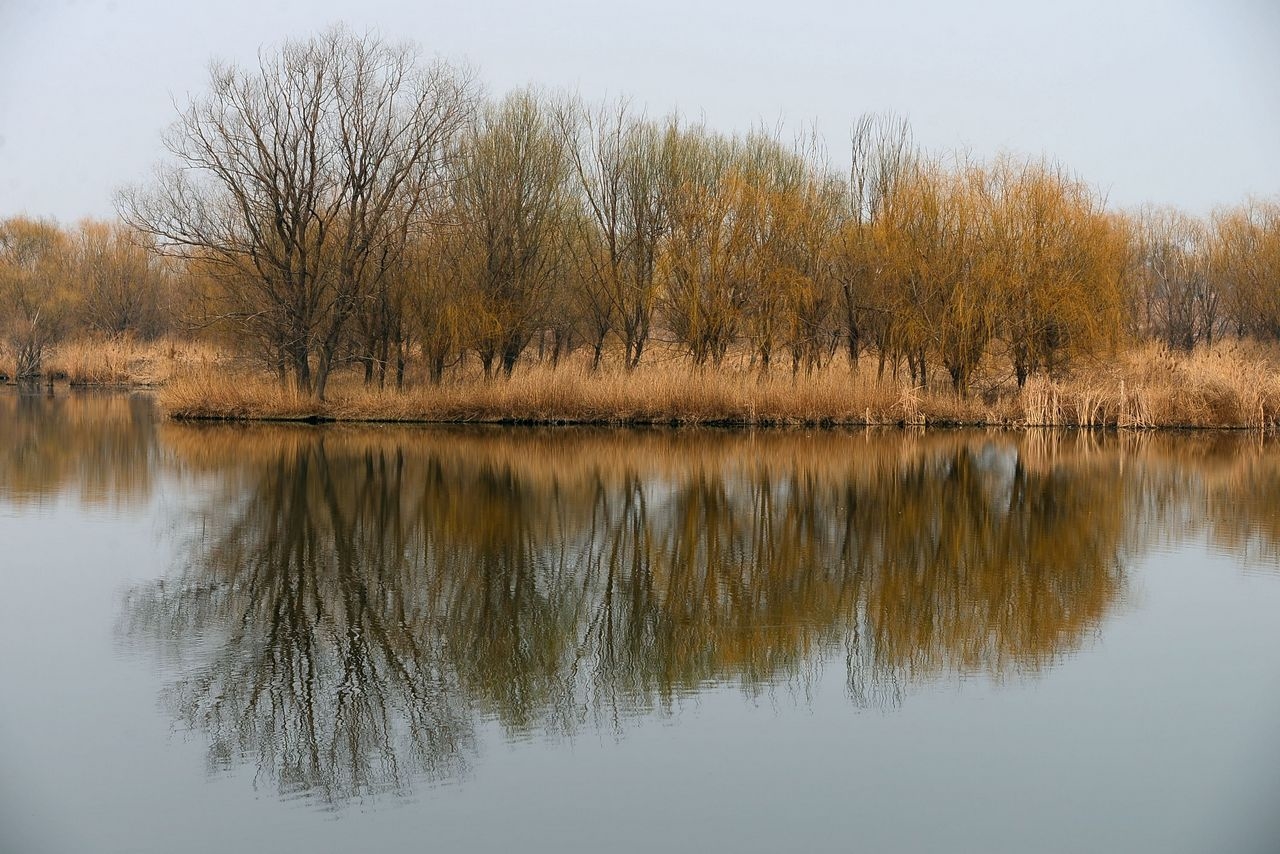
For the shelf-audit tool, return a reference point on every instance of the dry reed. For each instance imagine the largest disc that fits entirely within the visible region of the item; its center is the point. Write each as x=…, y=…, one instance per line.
x=1225, y=387
x=124, y=362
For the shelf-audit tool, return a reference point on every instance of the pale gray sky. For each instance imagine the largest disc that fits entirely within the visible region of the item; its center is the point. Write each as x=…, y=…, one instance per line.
x=1174, y=102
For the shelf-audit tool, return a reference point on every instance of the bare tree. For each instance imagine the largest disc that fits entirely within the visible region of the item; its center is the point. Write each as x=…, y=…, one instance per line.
x=122, y=285
x=301, y=181
x=1245, y=266
x=1181, y=301
x=618, y=159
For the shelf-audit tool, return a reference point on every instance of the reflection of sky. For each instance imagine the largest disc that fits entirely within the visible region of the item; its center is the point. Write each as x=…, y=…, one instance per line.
x=1162, y=735
x=998, y=464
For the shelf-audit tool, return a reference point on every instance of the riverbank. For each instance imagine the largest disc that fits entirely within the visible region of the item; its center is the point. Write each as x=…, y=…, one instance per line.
x=1227, y=387
x=124, y=363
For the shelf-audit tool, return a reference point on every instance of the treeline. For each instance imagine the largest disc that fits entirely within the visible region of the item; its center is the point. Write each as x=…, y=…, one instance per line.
x=93, y=278
x=345, y=202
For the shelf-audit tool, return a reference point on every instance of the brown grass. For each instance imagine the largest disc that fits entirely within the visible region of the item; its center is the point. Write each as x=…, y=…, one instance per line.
x=1230, y=386
x=123, y=362
x=664, y=394
x=129, y=363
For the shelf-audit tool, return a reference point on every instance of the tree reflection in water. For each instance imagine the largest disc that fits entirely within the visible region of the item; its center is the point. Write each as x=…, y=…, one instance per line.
x=101, y=447
x=357, y=603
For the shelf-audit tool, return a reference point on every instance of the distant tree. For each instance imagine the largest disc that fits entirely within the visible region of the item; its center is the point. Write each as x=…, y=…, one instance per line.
x=122, y=284
x=1182, y=306
x=37, y=301
x=1244, y=263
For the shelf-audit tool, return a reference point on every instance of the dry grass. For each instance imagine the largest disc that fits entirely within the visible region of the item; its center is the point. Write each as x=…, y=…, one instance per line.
x=1230, y=386
x=123, y=362
x=126, y=362
x=664, y=394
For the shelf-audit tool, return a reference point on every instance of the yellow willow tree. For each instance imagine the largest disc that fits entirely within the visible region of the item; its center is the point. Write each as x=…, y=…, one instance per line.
x=961, y=267
x=437, y=306
x=1244, y=260
x=767, y=180
x=935, y=273
x=705, y=258
x=811, y=223
x=37, y=297
x=1056, y=263
x=788, y=210
x=513, y=201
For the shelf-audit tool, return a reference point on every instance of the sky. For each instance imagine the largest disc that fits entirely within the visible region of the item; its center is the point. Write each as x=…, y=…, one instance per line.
x=1171, y=103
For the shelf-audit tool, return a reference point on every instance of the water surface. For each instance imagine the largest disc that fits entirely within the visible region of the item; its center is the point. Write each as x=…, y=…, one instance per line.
x=332, y=639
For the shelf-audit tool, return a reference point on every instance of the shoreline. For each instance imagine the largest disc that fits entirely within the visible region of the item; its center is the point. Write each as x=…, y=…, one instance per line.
x=729, y=424
x=676, y=399
x=1231, y=386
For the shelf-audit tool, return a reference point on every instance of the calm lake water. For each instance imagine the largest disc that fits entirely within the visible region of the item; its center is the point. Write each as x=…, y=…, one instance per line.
x=241, y=639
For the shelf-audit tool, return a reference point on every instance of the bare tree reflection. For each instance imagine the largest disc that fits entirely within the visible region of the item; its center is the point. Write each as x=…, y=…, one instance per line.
x=357, y=604
x=313, y=661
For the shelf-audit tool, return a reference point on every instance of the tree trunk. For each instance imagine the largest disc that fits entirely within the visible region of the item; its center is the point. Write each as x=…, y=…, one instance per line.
x=323, y=369
x=300, y=358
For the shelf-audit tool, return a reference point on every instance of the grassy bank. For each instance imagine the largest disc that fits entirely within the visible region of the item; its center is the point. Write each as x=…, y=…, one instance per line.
x=1227, y=387
x=124, y=362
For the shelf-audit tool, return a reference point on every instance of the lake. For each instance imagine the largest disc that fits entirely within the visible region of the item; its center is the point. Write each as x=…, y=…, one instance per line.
x=288, y=638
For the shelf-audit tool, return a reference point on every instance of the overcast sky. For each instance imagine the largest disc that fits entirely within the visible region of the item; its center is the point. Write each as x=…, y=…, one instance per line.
x=1174, y=102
